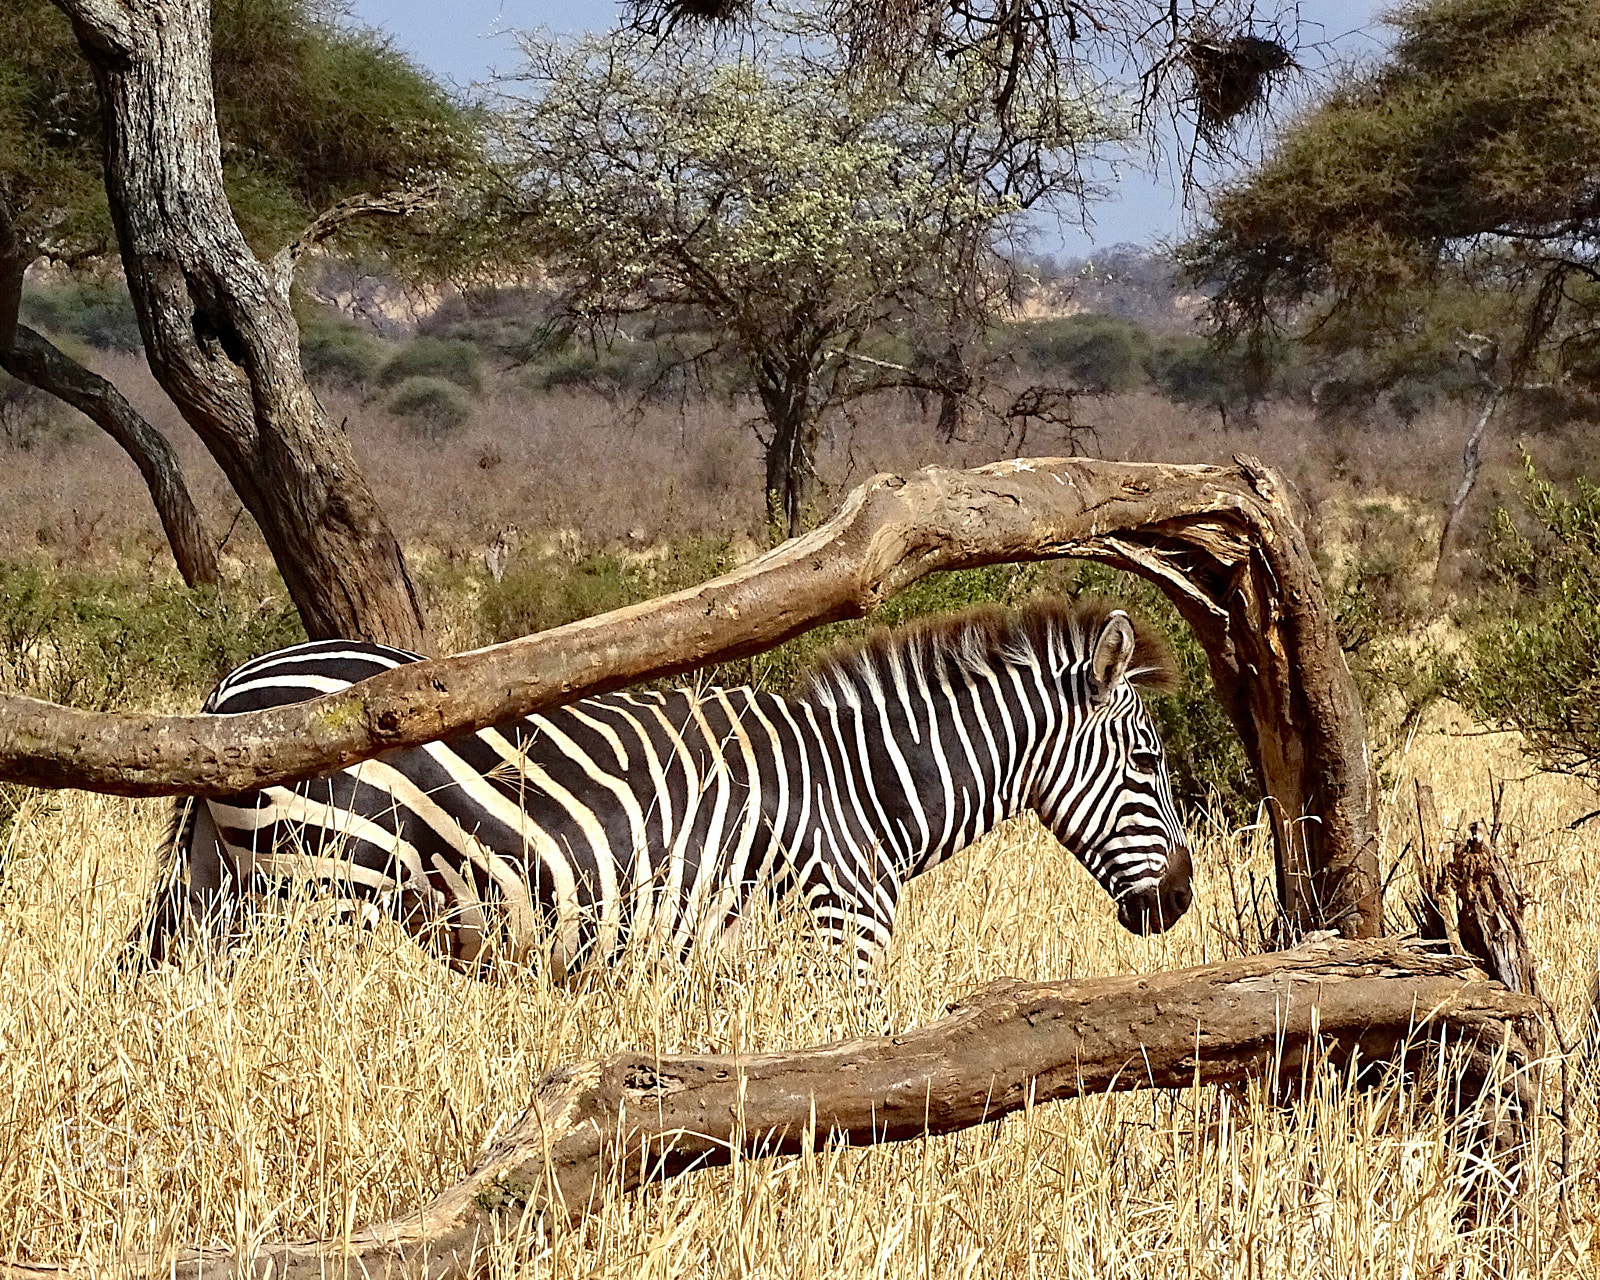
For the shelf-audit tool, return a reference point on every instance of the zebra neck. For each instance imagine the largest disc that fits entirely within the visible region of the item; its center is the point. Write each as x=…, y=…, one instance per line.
x=945, y=762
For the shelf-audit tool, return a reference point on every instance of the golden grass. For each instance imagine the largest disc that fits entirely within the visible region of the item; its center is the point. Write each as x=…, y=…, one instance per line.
x=332, y=1078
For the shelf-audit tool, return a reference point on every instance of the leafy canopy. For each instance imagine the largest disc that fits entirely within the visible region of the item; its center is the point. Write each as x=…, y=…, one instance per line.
x=1426, y=192
x=309, y=111
x=1538, y=669
x=787, y=208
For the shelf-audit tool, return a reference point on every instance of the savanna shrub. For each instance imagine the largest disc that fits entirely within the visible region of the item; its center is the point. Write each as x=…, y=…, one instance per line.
x=432, y=407
x=1536, y=667
x=450, y=359
x=1379, y=589
x=1101, y=354
x=98, y=313
x=543, y=591
x=106, y=641
x=338, y=354
x=1208, y=763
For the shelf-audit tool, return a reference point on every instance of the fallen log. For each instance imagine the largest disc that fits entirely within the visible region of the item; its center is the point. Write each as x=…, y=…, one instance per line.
x=602, y=1128
x=1221, y=542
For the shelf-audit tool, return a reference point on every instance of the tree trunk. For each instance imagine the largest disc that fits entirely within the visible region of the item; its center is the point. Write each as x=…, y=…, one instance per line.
x=955, y=385
x=599, y=1128
x=29, y=357
x=785, y=389
x=1471, y=464
x=217, y=325
x=1221, y=542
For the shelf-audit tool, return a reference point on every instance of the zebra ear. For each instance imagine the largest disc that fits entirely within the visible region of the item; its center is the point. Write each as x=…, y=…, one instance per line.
x=1113, y=651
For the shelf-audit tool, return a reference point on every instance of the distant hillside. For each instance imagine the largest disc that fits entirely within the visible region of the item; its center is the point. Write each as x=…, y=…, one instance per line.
x=1125, y=280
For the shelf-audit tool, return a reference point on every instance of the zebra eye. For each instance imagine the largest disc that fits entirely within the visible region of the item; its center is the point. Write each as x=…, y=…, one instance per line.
x=1145, y=761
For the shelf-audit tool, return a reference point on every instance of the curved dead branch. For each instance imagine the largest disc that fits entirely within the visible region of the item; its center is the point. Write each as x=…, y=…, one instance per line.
x=1221, y=542
x=600, y=1128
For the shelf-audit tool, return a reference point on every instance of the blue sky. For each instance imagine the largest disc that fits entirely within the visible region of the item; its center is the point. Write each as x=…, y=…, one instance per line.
x=459, y=42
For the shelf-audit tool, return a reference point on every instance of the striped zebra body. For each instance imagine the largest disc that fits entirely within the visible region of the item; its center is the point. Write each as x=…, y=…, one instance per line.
x=658, y=815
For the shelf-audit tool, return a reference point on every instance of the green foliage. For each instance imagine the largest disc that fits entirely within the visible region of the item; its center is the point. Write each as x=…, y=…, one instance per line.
x=1449, y=187
x=103, y=642
x=432, y=407
x=540, y=592
x=1100, y=354
x=1537, y=669
x=1203, y=375
x=1380, y=591
x=97, y=312
x=337, y=353
x=310, y=110
x=451, y=359
x=503, y=322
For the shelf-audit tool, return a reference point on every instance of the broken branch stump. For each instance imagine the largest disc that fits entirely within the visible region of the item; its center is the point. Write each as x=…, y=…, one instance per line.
x=602, y=1128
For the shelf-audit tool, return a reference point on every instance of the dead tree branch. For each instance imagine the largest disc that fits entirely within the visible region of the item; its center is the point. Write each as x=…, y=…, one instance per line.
x=1221, y=542
x=601, y=1128
x=392, y=204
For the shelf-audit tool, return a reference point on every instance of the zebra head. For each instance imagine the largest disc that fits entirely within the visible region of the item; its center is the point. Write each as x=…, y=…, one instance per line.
x=1104, y=791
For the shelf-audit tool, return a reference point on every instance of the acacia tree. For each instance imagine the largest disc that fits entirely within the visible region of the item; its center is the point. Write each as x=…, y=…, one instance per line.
x=776, y=207
x=206, y=174
x=1443, y=198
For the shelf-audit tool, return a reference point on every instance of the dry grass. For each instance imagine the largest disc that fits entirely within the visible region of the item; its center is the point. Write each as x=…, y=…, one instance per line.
x=332, y=1078
x=572, y=464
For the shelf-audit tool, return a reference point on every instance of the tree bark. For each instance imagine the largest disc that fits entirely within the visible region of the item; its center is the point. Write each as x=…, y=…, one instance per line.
x=29, y=357
x=1471, y=464
x=785, y=390
x=217, y=325
x=600, y=1128
x=1221, y=542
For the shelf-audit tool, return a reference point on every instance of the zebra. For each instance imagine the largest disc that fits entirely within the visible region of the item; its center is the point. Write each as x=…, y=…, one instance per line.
x=657, y=815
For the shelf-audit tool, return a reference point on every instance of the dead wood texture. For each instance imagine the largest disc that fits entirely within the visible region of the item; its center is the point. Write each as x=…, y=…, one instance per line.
x=601, y=1128
x=217, y=325
x=1222, y=543
x=1469, y=898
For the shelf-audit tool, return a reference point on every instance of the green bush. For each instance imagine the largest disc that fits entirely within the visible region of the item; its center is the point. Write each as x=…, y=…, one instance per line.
x=100, y=314
x=1380, y=591
x=433, y=407
x=449, y=359
x=1536, y=668
x=339, y=354
x=1209, y=767
x=1101, y=354
x=102, y=642
x=546, y=591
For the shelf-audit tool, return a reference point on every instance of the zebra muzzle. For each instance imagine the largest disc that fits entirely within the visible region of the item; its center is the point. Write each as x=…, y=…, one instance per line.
x=1156, y=908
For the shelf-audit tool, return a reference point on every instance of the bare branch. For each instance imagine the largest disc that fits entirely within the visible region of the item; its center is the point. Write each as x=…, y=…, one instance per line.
x=389, y=204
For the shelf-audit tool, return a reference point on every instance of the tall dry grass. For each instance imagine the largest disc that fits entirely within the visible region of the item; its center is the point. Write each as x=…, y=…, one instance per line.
x=573, y=464
x=330, y=1078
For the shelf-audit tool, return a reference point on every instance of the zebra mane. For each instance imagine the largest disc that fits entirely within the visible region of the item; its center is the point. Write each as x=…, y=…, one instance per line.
x=1052, y=632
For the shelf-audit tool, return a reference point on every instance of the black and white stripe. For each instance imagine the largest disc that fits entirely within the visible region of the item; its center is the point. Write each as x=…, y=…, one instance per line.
x=658, y=814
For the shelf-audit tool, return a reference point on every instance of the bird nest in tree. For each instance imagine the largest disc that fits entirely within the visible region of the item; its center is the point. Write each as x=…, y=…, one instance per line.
x=667, y=14
x=1233, y=75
